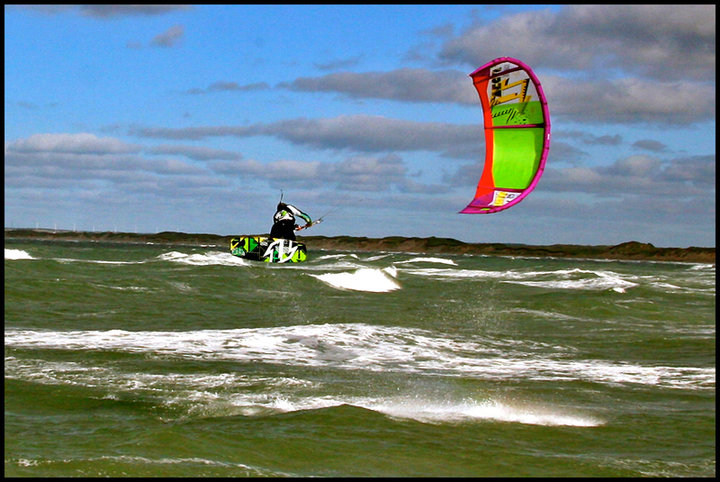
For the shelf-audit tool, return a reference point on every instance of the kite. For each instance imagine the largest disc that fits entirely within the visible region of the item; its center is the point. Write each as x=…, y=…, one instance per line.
x=517, y=134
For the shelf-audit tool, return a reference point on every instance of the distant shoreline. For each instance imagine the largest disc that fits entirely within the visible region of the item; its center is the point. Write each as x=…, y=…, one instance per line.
x=632, y=250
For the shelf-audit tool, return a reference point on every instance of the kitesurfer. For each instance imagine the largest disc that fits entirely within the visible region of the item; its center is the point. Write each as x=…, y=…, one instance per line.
x=284, y=221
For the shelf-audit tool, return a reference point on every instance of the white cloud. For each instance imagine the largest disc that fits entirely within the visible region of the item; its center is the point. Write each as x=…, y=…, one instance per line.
x=82, y=143
x=658, y=41
x=630, y=100
x=405, y=85
x=358, y=133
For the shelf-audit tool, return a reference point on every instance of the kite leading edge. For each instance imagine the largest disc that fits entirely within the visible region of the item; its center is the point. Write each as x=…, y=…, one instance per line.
x=517, y=134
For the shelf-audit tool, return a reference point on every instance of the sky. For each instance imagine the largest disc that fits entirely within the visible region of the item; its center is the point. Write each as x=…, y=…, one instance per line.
x=197, y=118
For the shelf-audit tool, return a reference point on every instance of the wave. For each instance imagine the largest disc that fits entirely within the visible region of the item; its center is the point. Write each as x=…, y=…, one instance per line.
x=228, y=394
x=428, y=260
x=358, y=346
x=572, y=279
x=125, y=462
x=363, y=279
x=14, y=254
x=364, y=274
x=424, y=410
x=94, y=261
x=202, y=259
x=693, y=280
x=210, y=258
x=459, y=411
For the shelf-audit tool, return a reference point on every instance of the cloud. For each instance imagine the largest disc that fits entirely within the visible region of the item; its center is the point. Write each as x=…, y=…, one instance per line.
x=65, y=160
x=223, y=86
x=604, y=140
x=339, y=64
x=106, y=11
x=624, y=100
x=373, y=134
x=403, y=85
x=639, y=175
x=623, y=183
x=86, y=162
x=634, y=166
x=695, y=170
x=661, y=42
x=109, y=11
x=366, y=173
x=650, y=145
x=355, y=173
x=361, y=133
x=198, y=153
x=630, y=100
x=636, y=64
x=563, y=152
x=280, y=172
x=170, y=37
x=82, y=143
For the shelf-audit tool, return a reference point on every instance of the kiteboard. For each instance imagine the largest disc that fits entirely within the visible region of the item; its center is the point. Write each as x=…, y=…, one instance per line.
x=269, y=250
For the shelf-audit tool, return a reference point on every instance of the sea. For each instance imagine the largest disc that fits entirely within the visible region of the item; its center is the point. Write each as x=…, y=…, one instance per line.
x=148, y=360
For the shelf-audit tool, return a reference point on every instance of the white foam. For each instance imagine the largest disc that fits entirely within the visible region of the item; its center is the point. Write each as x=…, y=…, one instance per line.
x=223, y=394
x=601, y=284
x=429, y=260
x=20, y=254
x=363, y=279
x=337, y=256
x=702, y=267
x=140, y=460
x=422, y=410
x=358, y=346
x=573, y=279
x=451, y=273
x=203, y=259
x=377, y=257
x=452, y=411
x=94, y=261
x=126, y=288
x=16, y=254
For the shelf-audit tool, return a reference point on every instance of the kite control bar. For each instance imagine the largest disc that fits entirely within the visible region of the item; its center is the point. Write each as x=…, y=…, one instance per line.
x=317, y=221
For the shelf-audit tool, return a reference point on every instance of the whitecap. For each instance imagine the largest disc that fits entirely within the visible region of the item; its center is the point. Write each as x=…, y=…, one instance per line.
x=450, y=273
x=14, y=254
x=94, y=261
x=358, y=346
x=467, y=410
x=363, y=279
x=222, y=394
x=428, y=260
x=203, y=259
x=574, y=279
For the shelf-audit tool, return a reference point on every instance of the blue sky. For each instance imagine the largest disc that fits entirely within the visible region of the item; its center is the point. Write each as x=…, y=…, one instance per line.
x=145, y=118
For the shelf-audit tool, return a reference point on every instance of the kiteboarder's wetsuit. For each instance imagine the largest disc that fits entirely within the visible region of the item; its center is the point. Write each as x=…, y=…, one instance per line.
x=284, y=219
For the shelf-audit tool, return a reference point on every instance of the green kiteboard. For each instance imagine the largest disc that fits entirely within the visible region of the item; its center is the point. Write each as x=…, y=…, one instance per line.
x=269, y=250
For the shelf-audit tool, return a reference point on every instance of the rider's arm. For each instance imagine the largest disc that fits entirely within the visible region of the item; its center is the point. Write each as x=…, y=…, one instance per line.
x=297, y=212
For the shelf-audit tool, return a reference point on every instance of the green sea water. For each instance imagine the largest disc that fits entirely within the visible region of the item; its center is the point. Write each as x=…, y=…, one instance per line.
x=152, y=360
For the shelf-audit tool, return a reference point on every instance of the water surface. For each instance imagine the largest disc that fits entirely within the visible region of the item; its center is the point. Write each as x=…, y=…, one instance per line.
x=149, y=360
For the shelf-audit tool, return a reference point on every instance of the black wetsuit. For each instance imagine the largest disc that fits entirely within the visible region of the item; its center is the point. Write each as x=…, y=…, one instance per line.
x=284, y=219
